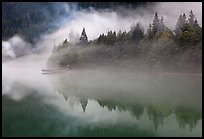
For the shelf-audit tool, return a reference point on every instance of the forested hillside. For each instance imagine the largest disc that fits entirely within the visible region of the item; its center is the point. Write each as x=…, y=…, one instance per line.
x=31, y=19
x=157, y=48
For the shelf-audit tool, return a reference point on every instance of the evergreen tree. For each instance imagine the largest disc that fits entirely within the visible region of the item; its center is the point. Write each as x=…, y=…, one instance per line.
x=138, y=33
x=120, y=36
x=83, y=39
x=181, y=23
x=196, y=23
x=191, y=19
x=178, y=25
x=65, y=41
x=184, y=17
x=188, y=32
x=155, y=24
x=119, y=33
x=149, y=33
x=111, y=38
x=101, y=39
x=161, y=25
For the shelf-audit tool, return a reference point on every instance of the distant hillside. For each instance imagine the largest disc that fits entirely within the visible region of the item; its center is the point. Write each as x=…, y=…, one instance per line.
x=31, y=19
x=160, y=48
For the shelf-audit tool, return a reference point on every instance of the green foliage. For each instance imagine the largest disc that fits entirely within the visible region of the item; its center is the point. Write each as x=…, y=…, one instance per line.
x=158, y=48
x=28, y=19
x=137, y=33
x=189, y=35
x=185, y=117
x=188, y=32
x=109, y=39
x=72, y=59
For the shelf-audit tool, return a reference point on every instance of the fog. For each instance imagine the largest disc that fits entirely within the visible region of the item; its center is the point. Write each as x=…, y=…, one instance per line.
x=103, y=83
x=97, y=22
x=26, y=61
x=101, y=97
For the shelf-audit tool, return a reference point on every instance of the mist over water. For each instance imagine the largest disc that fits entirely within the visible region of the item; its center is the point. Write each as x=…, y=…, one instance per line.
x=100, y=100
x=97, y=99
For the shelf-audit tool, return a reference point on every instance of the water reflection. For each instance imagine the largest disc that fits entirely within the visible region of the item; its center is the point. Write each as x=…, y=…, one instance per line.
x=96, y=104
x=185, y=116
x=84, y=103
x=161, y=97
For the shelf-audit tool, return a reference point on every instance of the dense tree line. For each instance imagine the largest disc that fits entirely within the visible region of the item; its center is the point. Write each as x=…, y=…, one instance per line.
x=30, y=19
x=186, y=31
x=160, y=45
x=157, y=48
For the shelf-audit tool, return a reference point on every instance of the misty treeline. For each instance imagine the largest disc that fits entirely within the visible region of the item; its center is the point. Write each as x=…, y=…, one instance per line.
x=31, y=19
x=159, y=48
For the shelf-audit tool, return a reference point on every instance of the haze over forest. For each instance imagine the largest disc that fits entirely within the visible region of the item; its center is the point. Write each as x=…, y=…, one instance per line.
x=144, y=35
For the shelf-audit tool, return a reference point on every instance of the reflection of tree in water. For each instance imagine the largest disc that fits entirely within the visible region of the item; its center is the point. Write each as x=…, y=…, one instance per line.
x=156, y=114
x=84, y=103
x=186, y=116
x=135, y=109
x=109, y=104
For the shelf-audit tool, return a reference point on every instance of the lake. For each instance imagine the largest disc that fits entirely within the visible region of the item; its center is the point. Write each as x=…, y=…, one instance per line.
x=100, y=103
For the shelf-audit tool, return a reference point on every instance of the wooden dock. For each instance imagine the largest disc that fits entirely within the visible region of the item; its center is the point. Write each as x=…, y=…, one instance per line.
x=54, y=71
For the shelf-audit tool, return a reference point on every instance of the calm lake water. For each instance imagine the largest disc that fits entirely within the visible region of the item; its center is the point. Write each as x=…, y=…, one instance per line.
x=101, y=103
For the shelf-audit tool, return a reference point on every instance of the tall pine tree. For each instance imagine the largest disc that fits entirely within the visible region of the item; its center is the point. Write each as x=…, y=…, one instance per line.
x=161, y=25
x=83, y=39
x=155, y=24
x=138, y=33
x=191, y=19
x=181, y=23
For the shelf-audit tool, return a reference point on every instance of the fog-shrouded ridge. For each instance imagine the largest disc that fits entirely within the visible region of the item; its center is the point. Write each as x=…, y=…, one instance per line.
x=97, y=22
x=70, y=20
x=100, y=21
